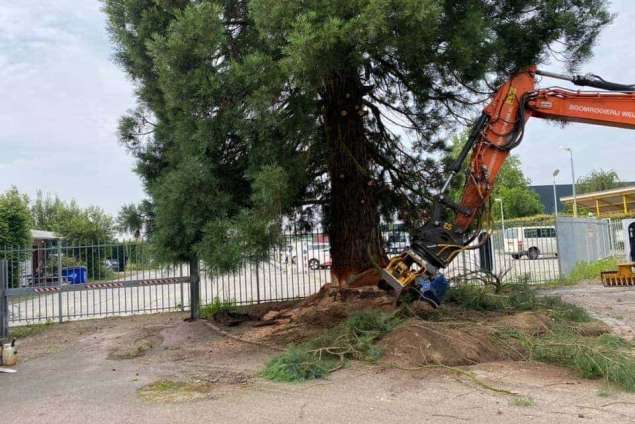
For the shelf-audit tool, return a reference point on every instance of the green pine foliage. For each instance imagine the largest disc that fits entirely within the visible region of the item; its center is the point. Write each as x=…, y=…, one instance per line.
x=250, y=110
x=352, y=339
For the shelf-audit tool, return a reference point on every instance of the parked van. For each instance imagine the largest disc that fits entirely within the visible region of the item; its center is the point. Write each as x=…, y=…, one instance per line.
x=532, y=242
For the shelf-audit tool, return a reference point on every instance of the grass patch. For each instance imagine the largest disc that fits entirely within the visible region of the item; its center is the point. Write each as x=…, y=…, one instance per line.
x=563, y=311
x=523, y=401
x=28, y=330
x=174, y=391
x=353, y=339
x=208, y=311
x=584, y=271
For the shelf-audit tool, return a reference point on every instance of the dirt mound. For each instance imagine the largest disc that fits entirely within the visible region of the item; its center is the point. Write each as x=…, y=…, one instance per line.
x=135, y=348
x=417, y=342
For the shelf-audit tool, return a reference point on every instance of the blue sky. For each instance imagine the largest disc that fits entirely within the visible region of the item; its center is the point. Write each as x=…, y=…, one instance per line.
x=62, y=96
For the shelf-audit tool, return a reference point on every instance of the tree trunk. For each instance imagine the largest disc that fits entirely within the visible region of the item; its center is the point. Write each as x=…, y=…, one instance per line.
x=352, y=215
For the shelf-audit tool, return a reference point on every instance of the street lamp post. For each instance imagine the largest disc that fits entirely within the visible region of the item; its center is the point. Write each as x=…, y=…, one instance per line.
x=575, y=199
x=555, y=196
x=499, y=200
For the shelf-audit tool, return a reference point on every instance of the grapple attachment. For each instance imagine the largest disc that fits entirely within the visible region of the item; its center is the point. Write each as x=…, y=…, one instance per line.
x=624, y=276
x=402, y=270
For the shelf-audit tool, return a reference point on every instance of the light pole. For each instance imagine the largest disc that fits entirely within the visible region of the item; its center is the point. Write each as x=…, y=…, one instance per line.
x=555, y=196
x=499, y=200
x=575, y=199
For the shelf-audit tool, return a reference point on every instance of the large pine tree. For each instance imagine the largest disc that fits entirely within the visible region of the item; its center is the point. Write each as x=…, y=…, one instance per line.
x=252, y=109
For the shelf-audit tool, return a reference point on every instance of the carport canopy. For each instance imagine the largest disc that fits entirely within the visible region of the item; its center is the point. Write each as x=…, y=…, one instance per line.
x=608, y=202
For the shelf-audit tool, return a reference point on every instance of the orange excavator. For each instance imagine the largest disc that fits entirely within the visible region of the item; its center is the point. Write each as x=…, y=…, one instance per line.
x=500, y=128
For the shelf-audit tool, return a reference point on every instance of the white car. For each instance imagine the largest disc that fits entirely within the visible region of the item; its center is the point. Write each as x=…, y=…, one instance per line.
x=317, y=255
x=532, y=242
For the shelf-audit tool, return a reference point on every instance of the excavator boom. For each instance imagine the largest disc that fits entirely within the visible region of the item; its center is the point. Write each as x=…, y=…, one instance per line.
x=500, y=129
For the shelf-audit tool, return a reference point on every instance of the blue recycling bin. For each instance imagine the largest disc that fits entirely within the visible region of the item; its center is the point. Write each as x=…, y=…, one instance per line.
x=75, y=274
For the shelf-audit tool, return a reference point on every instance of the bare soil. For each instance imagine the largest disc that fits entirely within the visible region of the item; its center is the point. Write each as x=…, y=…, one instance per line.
x=162, y=369
x=417, y=342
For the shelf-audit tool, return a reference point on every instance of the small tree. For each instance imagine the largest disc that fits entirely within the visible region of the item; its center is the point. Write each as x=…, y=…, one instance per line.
x=136, y=219
x=15, y=235
x=598, y=181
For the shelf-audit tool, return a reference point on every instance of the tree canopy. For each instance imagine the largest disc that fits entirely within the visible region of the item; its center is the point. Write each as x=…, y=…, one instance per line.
x=136, y=219
x=599, y=180
x=512, y=187
x=70, y=221
x=15, y=220
x=254, y=109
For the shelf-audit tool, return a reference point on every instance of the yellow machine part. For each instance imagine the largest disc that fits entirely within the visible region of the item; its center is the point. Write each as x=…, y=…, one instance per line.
x=624, y=276
x=399, y=273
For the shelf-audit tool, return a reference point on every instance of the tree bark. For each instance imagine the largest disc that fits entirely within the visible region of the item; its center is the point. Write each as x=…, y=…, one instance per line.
x=352, y=214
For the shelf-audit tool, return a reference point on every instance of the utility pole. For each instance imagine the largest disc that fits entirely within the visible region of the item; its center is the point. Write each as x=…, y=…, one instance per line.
x=499, y=200
x=555, y=195
x=575, y=198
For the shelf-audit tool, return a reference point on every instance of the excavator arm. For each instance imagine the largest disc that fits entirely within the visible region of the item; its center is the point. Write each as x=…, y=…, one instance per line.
x=498, y=130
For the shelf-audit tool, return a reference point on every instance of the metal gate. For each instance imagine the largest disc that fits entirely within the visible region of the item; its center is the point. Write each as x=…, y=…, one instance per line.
x=582, y=240
x=59, y=282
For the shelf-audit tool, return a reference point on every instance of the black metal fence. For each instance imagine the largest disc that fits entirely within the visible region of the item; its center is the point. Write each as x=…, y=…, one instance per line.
x=55, y=281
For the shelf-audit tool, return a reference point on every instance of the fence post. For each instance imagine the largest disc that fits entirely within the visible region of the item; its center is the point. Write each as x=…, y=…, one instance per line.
x=258, y=281
x=59, y=278
x=195, y=289
x=181, y=284
x=4, y=300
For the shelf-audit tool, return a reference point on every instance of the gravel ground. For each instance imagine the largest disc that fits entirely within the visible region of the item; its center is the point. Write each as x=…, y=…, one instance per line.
x=65, y=376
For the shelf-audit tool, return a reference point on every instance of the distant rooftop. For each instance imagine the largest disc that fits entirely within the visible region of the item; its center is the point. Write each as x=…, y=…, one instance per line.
x=617, y=200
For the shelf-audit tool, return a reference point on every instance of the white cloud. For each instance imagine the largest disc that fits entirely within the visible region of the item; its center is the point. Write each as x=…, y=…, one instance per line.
x=594, y=147
x=62, y=98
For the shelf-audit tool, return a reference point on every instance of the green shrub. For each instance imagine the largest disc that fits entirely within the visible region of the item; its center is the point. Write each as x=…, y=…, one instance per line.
x=28, y=330
x=208, y=311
